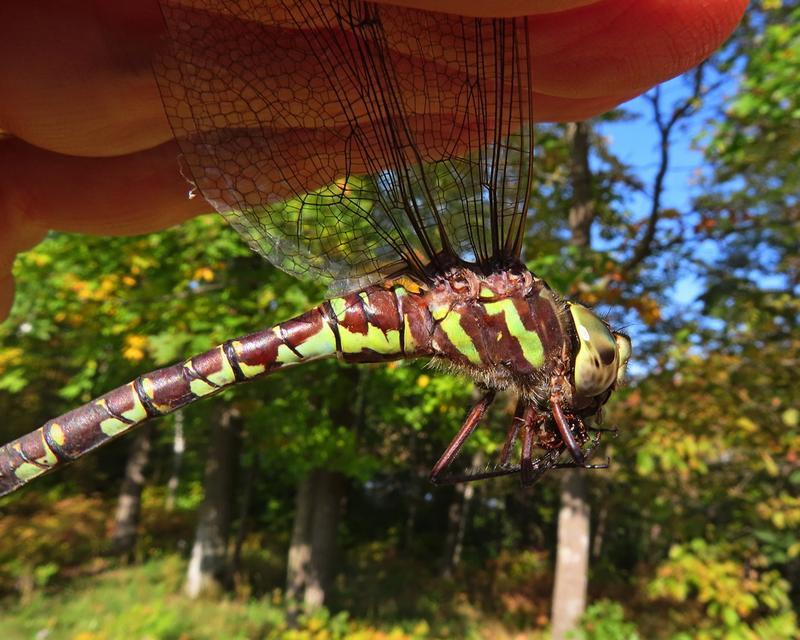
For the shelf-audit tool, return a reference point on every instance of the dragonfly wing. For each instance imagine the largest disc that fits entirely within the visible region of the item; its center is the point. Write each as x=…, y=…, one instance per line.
x=351, y=142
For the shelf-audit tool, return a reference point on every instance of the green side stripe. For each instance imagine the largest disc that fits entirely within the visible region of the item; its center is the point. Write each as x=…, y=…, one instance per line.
x=250, y=370
x=322, y=343
x=225, y=376
x=409, y=343
x=49, y=457
x=27, y=471
x=451, y=325
x=138, y=413
x=529, y=341
x=339, y=307
x=285, y=356
x=201, y=388
x=375, y=339
x=111, y=426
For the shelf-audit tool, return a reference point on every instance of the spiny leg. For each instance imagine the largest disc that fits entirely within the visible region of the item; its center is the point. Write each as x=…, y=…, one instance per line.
x=587, y=453
x=473, y=419
x=513, y=432
x=614, y=431
x=566, y=433
x=526, y=461
x=574, y=465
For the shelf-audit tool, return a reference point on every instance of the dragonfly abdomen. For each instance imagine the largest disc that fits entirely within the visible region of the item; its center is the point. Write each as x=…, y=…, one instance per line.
x=373, y=325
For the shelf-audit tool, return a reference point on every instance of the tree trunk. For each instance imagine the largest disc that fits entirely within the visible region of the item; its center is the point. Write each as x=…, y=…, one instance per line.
x=129, y=505
x=299, y=560
x=178, y=447
x=572, y=552
x=250, y=474
x=572, y=557
x=313, y=546
x=208, y=572
x=328, y=493
x=600, y=531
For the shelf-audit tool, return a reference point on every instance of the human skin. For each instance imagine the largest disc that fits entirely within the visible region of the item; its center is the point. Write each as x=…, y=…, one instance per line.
x=85, y=145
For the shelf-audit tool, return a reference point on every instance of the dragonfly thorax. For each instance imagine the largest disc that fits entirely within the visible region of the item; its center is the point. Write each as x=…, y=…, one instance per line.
x=506, y=330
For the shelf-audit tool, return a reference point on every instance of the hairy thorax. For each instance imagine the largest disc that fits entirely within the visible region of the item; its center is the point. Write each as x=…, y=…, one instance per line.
x=505, y=330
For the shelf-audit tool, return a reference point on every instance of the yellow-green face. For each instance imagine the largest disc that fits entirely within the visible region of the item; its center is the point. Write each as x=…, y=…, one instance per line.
x=602, y=355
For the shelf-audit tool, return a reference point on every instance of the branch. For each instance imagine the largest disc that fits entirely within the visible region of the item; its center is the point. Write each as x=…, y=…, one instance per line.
x=682, y=110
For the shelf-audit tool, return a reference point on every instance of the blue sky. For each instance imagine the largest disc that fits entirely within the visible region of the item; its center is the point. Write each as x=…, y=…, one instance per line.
x=635, y=142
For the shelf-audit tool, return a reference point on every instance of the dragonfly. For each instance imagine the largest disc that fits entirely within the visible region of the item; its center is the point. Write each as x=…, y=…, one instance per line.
x=407, y=193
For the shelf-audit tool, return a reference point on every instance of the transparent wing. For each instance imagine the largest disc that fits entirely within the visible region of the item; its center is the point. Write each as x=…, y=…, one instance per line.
x=351, y=142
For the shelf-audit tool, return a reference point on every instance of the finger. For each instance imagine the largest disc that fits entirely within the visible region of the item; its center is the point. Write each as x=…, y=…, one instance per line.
x=86, y=86
x=6, y=293
x=41, y=190
x=615, y=48
x=131, y=194
x=76, y=77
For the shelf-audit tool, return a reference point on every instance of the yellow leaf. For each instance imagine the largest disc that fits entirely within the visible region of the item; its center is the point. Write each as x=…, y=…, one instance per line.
x=747, y=425
x=769, y=464
x=204, y=274
x=791, y=417
x=134, y=347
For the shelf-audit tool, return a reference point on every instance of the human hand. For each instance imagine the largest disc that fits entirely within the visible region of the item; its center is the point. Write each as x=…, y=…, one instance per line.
x=85, y=145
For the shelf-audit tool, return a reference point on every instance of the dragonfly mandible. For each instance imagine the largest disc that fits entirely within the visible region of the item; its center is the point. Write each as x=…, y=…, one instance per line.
x=409, y=192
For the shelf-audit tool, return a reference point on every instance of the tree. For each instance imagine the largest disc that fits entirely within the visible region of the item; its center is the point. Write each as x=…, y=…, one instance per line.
x=572, y=551
x=208, y=571
x=129, y=505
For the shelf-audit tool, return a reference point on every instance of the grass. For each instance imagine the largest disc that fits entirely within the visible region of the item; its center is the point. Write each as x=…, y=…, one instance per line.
x=138, y=602
x=145, y=603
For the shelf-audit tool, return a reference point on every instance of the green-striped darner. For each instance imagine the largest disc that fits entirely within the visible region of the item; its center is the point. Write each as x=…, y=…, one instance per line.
x=423, y=222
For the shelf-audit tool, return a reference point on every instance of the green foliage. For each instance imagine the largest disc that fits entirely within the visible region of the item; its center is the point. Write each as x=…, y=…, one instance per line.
x=605, y=620
x=761, y=130
x=731, y=594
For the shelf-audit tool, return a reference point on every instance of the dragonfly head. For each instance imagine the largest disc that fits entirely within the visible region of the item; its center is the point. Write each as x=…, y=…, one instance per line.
x=602, y=355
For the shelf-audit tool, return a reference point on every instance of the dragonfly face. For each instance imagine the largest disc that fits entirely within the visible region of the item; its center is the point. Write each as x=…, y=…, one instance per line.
x=602, y=356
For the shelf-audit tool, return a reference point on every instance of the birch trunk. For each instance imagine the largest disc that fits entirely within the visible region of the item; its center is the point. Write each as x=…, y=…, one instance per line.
x=572, y=553
x=572, y=556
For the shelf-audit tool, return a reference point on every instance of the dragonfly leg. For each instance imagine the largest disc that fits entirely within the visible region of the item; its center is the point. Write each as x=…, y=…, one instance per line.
x=566, y=433
x=513, y=432
x=574, y=465
x=614, y=431
x=526, y=461
x=473, y=419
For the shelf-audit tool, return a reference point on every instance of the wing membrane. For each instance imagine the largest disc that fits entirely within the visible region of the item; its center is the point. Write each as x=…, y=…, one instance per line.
x=351, y=142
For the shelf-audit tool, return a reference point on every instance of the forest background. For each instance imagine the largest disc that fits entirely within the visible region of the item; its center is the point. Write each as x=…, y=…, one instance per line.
x=299, y=506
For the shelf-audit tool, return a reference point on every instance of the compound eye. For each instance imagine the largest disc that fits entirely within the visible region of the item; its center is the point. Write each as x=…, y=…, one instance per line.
x=624, y=349
x=598, y=357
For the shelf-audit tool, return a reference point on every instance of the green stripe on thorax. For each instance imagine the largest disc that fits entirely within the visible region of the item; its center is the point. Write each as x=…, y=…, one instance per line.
x=449, y=319
x=529, y=341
